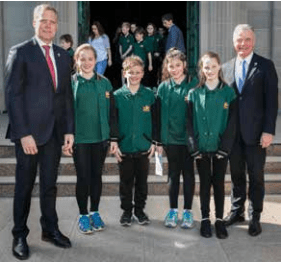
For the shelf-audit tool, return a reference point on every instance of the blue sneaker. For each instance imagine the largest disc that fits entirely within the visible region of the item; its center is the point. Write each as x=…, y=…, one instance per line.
x=171, y=219
x=187, y=219
x=84, y=226
x=96, y=222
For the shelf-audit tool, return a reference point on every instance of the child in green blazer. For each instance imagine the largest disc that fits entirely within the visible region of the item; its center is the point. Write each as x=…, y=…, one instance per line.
x=92, y=99
x=212, y=113
x=172, y=96
x=135, y=111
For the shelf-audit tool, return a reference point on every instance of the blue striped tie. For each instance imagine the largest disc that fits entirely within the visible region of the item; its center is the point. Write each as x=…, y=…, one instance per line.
x=242, y=78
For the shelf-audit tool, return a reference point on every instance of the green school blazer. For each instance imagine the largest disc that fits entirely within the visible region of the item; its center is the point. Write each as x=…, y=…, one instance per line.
x=92, y=108
x=210, y=110
x=134, y=119
x=173, y=100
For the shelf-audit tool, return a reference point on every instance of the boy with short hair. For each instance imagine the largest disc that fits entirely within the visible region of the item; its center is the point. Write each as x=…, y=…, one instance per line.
x=136, y=113
x=126, y=41
x=66, y=42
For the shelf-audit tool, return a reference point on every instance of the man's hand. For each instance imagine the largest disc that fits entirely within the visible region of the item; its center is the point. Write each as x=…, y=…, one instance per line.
x=266, y=139
x=29, y=145
x=67, y=148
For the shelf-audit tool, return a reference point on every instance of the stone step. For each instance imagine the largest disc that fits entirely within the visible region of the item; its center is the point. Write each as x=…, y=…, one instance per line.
x=8, y=150
x=7, y=166
x=157, y=185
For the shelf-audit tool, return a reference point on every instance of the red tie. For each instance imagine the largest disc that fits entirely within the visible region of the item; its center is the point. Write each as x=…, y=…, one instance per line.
x=50, y=64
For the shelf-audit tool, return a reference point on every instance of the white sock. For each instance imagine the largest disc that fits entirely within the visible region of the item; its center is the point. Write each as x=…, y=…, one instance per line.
x=91, y=213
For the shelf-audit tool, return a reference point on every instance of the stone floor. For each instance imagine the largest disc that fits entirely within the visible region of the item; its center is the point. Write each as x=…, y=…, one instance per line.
x=145, y=243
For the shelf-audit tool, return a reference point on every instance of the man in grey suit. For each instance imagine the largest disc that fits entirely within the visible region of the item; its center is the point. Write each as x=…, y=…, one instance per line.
x=255, y=81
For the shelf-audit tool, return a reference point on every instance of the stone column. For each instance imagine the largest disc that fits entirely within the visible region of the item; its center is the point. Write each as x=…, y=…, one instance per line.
x=68, y=19
x=217, y=21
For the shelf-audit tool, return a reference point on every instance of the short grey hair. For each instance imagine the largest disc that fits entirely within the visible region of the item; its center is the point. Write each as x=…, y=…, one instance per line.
x=40, y=9
x=242, y=27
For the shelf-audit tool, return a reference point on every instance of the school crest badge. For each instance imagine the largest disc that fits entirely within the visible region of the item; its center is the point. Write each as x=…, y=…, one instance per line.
x=225, y=105
x=107, y=94
x=146, y=108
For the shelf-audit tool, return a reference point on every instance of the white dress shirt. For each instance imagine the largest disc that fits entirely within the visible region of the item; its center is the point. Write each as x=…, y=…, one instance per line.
x=239, y=65
x=52, y=54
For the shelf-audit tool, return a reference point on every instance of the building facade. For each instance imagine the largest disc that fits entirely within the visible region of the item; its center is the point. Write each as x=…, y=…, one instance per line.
x=217, y=19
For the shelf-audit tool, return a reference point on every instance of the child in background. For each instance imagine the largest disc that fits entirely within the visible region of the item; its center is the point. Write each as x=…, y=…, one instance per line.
x=152, y=40
x=135, y=106
x=142, y=49
x=92, y=100
x=126, y=41
x=172, y=94
x=212, y=111
x=66, y=42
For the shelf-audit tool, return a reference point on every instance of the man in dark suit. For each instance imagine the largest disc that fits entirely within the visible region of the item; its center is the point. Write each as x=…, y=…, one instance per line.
x=256, y=83
x=40, y=106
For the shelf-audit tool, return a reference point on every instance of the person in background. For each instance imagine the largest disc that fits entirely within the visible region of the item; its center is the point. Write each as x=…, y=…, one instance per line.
x=172, y=96
x=152, y=39
x=214, y=134
x=175, y=36
x=255, y=81
x=66, y=42
x=137, y=123
x=142, y=49
x=133, y=27
x=100, y=42
x=92, y=99
x=126, y=41
x=40, y=107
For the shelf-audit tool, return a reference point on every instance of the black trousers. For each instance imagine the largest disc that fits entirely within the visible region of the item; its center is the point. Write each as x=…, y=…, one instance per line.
x=133, y=174
x=48, y=158
x=211, y=172
x=253, y=157
x=89, y=160
x=180, y=161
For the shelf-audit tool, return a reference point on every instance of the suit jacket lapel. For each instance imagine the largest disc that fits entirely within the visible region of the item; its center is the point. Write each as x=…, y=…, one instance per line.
x=251, y=70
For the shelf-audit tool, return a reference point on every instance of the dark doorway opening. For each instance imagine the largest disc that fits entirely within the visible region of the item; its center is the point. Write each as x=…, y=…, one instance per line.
x=111, y=14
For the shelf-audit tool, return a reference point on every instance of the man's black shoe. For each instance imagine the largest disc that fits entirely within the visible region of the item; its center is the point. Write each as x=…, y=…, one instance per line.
x=141, y=217
x=20, y=248
x=56, y=238
x=205, y=229
x=221, y=231
x=126, y=218
x=233, y=217
x=254, y=227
